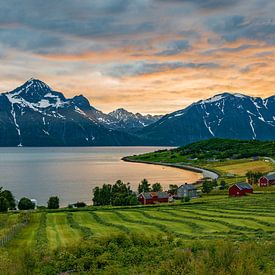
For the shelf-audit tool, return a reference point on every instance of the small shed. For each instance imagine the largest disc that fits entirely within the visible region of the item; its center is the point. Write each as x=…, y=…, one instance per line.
x=240, y=189
x=187, y=190
x=267, y=180
x=153, y=197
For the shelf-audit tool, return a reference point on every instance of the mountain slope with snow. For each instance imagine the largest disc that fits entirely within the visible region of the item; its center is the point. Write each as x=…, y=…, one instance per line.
x=35, y=115
x=225, y=115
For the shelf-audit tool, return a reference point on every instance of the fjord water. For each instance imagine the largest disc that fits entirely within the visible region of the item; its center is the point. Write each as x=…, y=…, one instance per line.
x=72, y=172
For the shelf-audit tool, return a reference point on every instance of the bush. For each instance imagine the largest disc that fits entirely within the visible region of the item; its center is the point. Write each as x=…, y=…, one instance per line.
x=53, y=203
x=25, y=204
x=3, y=204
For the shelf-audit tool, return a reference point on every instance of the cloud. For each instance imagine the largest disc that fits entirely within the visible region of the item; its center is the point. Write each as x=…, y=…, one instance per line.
x=207, y=4
x=141, y=68
x=237, y=27
x=174, y=47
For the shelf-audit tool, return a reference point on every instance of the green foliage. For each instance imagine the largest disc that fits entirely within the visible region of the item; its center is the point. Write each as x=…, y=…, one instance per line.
x=212, y=150
x=53, y=202
x=9, y=197
x=86, y=231
x=253, y=177
x=217, y=148
x=156, y=187
x=118, y=194
x=4, y=205
x=41, y=234
x=138, y=254
x=173, y=188
x=144, y=186
x=223, y=185
x=207, y=187
x=25, y=204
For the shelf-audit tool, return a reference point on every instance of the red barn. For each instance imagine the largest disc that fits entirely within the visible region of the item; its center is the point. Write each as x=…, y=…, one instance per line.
x=240, y=189
x=267, y=180
x=153, y=197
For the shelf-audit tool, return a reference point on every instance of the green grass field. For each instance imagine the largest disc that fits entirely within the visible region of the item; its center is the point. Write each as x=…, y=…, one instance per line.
x=211, y=217
x=204, y=221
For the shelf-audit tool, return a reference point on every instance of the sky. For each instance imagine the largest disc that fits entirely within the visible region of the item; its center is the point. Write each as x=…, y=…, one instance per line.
x=148, y=56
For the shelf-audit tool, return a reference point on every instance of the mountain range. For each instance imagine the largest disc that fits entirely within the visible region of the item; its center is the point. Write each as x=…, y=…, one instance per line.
x=35, y=115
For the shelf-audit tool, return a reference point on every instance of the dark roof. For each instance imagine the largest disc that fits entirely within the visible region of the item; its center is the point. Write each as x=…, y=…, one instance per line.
x=188, y=187
x=160, y=195
x=270, y=177
x=243, y=185
x=163, y=195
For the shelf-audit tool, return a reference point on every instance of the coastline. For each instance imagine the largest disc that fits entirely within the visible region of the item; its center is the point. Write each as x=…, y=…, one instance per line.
x=206, y=173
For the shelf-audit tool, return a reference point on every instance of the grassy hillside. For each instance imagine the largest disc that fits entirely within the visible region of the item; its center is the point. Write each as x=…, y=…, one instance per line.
x=92, y=236
x=213, y=149
x=224, y=156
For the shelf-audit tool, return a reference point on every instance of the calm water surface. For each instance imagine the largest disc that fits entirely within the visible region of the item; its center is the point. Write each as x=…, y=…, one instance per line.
x=72, y=173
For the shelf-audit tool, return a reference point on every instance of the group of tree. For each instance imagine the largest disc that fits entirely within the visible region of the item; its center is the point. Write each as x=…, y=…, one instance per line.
x=117, y=194
x=7, y=200
x=144, y=186
x=253, y=176
x=219, y=148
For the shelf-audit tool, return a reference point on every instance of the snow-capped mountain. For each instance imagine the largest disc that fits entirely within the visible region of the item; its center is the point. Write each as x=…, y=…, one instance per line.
x=35, y=115
x=124, y=120
x=224, y=115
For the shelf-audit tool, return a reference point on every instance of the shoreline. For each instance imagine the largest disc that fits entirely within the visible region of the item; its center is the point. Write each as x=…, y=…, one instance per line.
x=205, y=173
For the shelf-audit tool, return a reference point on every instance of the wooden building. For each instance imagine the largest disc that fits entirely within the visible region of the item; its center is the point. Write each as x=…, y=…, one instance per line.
x=153, y=197
x=240, y=189
x=187, y=190
x=267, y=180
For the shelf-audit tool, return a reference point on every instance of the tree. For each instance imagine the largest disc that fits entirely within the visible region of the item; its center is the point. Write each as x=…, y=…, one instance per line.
x=173, y=188
x=253, y=176
x=207, y=187
x=144, y=186
x=25, y=204
x=156, y=187
x=117, y=194
x=53, y=203
x=224, y=185
x=4, y=205
x=9, y=197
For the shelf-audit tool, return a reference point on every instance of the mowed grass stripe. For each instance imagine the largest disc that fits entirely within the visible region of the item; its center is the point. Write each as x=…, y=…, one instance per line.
x=206, y=213
x=206, y=225
x=239, y=227
x=26, y=238
x=170, y=225
x=143, y=226
x=138, y=217
x=88, y=220
x=59, y=232
x=233, y=212
x=99, y=217
x=186, y=225
x=114, y=217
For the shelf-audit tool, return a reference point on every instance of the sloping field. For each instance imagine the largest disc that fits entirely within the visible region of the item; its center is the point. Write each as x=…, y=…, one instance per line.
x=212, y=217
x=241, y=167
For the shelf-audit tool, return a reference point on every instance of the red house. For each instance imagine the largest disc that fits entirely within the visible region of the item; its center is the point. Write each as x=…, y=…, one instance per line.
x=267, y=180
x=153, y=197
x=240, y=189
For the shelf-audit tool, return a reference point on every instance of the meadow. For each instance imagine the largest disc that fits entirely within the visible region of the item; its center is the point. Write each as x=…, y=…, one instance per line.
x=209, y=220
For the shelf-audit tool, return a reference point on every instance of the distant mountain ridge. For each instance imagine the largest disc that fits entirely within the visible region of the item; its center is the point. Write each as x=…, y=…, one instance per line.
x=35, y=115
x=225, y=115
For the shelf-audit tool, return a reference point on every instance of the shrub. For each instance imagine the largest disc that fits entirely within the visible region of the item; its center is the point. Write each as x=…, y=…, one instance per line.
x=53, y=203
x=25, y=204
x=3, y=204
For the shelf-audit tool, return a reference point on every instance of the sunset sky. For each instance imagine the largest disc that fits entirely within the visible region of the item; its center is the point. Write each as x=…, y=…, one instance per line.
x=148, y=56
